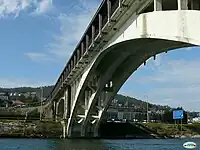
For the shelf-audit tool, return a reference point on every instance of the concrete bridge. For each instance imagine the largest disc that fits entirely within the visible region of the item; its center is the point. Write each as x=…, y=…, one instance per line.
x=122, y=35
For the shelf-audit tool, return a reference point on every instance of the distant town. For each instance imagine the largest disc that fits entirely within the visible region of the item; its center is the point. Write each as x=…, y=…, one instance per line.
x=17, y=99
x=121, y=108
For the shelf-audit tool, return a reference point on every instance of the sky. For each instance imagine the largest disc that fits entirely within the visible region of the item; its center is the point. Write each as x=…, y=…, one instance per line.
x=38, y=36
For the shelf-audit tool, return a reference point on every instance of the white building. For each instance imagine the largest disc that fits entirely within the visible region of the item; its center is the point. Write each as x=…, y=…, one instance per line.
x=197, y=119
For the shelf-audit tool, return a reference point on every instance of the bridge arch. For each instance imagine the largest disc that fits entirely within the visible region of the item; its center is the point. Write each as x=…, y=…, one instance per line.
x=135, y=42
x=60, y=108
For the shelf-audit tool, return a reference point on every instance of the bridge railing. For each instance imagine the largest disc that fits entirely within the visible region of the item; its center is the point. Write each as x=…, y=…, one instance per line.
x=114, y=5
x=89, y=39
x=105, y=20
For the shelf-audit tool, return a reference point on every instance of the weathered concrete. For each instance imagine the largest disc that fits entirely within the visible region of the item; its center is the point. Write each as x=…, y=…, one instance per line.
x=122, y=46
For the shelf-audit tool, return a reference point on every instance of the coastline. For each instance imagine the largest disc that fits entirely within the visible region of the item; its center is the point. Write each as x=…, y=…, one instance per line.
x=53, y=130
x=7, y=136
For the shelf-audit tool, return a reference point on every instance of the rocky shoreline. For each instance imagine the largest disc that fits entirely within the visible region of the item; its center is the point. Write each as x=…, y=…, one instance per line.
x=38, y=129
x=33, y=129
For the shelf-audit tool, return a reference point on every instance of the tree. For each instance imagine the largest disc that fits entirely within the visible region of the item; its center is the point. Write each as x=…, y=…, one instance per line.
x=22, y=98
x=35, y=99
x=29, y=99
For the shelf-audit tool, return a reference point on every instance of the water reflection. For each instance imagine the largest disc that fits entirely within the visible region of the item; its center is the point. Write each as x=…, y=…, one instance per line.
x=50, y=144
x=76, y=144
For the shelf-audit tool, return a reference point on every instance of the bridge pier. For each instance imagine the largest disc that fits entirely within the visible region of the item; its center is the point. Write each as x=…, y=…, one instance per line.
x=67, y=102
x=121, y=38
x=56, y=111
x=64, y=125
x=182, y=4
x=157, y=5
x=195, y=5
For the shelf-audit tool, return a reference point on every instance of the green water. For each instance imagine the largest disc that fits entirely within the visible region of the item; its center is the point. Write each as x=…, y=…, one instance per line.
x=44, y=144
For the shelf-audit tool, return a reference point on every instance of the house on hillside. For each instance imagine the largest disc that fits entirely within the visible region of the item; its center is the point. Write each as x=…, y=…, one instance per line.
x=5, y=103
x=197, y=119
x=4, y=96
x=17, y=103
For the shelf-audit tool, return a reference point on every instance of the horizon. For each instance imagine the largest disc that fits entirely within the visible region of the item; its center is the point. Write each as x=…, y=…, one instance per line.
x=39, y=36
x=117, y=94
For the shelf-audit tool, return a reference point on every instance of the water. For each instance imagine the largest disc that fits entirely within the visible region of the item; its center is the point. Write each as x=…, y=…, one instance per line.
x=42, y=144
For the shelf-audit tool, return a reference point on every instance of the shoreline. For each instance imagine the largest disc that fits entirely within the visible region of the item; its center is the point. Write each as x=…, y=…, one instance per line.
x=53, y=130
x=17, y=136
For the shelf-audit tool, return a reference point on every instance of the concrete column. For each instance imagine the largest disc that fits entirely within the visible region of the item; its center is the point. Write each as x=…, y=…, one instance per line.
x=68, y=100
x=89, y=94
x=69, y=132
x=78, y=54
x=109, y=10
x=75, y=88
x=195, y=5
x=75, y=60
x=65, y=104
x=103, y=98
x=182, y=4
x=120, y=3
x=99, y=100
x=86, y=99
x=87, y=42
x=73, y=93
x=82, y=49
x=157, y=5
x=93, y=33
x=56, y=117
x=64, y=129
x=100, y=24
x=54, y=107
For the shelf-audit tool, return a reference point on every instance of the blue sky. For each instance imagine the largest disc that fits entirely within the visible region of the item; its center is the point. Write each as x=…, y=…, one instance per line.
x=38, y=36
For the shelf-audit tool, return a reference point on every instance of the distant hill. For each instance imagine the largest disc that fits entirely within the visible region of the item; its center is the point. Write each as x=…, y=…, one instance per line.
x=46, y=90
x=121, y=99
x=133, y=101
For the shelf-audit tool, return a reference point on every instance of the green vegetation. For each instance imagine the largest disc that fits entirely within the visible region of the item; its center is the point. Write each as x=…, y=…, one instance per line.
x=47, y=90
x=188, y=130
x=130, y=101
x=121, y=101
x=30, y=129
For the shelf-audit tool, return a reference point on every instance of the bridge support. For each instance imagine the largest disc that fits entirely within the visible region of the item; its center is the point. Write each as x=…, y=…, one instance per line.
x=67, y=102
x=56, y=111
x=64, y=125
x=121, y=39
x=195, y=5
x=157, y=5
x=182, y=4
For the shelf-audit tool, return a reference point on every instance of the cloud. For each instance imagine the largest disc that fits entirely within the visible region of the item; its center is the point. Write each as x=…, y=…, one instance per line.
x=43, y=6
x=176, y=72
x=72, y=25
x=188, y=97
x=14, y=7
x=174, y=82
x=13, y=82
x=38, y=57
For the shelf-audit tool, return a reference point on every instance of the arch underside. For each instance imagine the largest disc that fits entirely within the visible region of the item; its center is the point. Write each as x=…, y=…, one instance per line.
x=120, y=59
x=60, y=108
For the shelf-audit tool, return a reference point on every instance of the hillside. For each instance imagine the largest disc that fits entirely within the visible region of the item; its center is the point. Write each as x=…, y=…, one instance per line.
x=46, y=90
x=121, y=99
x=130, y=100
